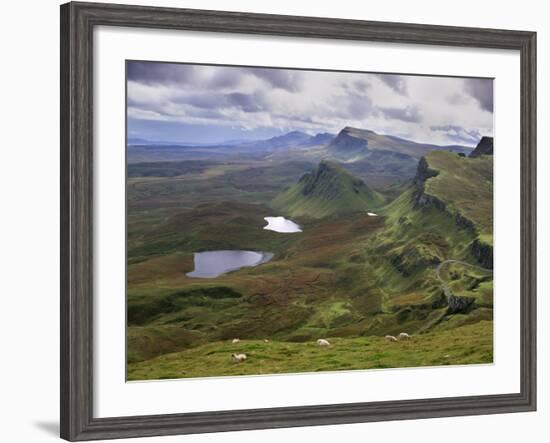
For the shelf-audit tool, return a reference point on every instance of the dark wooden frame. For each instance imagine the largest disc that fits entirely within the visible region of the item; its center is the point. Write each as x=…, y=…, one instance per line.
x=77, y=23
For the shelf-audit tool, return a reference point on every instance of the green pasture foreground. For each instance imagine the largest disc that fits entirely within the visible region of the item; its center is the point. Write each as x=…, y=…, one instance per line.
x=471, y=344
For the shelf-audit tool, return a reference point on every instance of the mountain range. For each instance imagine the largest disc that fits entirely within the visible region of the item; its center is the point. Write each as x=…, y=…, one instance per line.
x=379, y=160
x=353, y=144
x=294, y=139
x=350, y=144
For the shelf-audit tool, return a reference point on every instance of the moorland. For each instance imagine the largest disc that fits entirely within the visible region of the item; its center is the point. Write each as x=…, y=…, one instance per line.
x=395, y=236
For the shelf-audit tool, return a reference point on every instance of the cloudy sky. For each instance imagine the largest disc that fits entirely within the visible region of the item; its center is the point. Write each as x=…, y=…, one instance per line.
x=209, y=104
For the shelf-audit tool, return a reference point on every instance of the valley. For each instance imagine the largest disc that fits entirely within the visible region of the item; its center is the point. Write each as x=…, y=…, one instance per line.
x=377, y=217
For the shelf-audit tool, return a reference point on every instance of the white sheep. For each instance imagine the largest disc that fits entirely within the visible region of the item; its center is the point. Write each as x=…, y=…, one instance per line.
x=238, y=358
x=323, y=342
x=235, y=340
x=404, y=336
x=266, y=340
x=391, y=338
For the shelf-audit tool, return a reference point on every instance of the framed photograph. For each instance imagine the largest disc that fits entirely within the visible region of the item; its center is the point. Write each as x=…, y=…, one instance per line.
x=272, y=221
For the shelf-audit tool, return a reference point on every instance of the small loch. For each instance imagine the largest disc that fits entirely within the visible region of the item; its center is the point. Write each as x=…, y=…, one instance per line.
x=281, y=224
x=212, y=264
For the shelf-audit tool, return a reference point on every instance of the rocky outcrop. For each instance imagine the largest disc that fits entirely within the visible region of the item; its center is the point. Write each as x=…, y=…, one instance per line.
x=421, y=199
x=484, y=147
x=423, y=172
x=483, y=253
x=425, y=200
x=439, y=301
x=465, y=223
x=417, y=256
x=459, y=305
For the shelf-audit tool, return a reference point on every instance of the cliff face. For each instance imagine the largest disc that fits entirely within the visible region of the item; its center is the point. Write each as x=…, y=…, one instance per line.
x=423, y=173
x=350, y=142
x=482, y=251
x=459, y=304
x=484, y=147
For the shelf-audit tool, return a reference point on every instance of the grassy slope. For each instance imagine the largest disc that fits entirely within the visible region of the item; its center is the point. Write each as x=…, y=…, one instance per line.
x=469, y=344
x=404, y=255
x=350, y=276
x=311, y=287
x=326, y=191
x=466, y=186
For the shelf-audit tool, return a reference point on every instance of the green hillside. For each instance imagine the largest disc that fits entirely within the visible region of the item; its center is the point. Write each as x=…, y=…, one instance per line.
x=347, y=276
x=466, y=187
x=327, y=190
x=446, y=215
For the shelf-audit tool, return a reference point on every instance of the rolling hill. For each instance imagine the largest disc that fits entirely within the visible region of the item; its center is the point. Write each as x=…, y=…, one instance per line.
x=327, y=190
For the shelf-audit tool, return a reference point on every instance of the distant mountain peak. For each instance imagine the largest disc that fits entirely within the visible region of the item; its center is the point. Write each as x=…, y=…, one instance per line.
x=349, y=143
x=352, y=144
x=295, y=139
x=356, y=131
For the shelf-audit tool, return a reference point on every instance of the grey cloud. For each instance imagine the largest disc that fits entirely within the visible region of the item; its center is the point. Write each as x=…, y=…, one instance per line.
x=458, y=133
x=301, y=119
x=348, y=106
x=279, y=78
x=227, y=96
x=456, y=99
x=153, y=73
x=168, y=111
x=396, y=82
x=359, y=107
x=173, y=74
x=210, y=114
x=481, y=90
x=246, y=102
x=461, y=139
x=409, y=114
x=255, y=102
x=361, y=85
x=204, y=101
x=225, y=78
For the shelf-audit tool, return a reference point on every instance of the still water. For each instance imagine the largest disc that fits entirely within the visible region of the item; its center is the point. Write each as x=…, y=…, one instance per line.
x=212, y=264
x=281, y=224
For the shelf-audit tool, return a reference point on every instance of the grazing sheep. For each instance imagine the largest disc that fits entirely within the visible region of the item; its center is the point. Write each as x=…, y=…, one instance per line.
x=238, y=358
x=404, y=336
x=391, y=338
x=323, y=342
x=235, y=340
x=266, y=340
